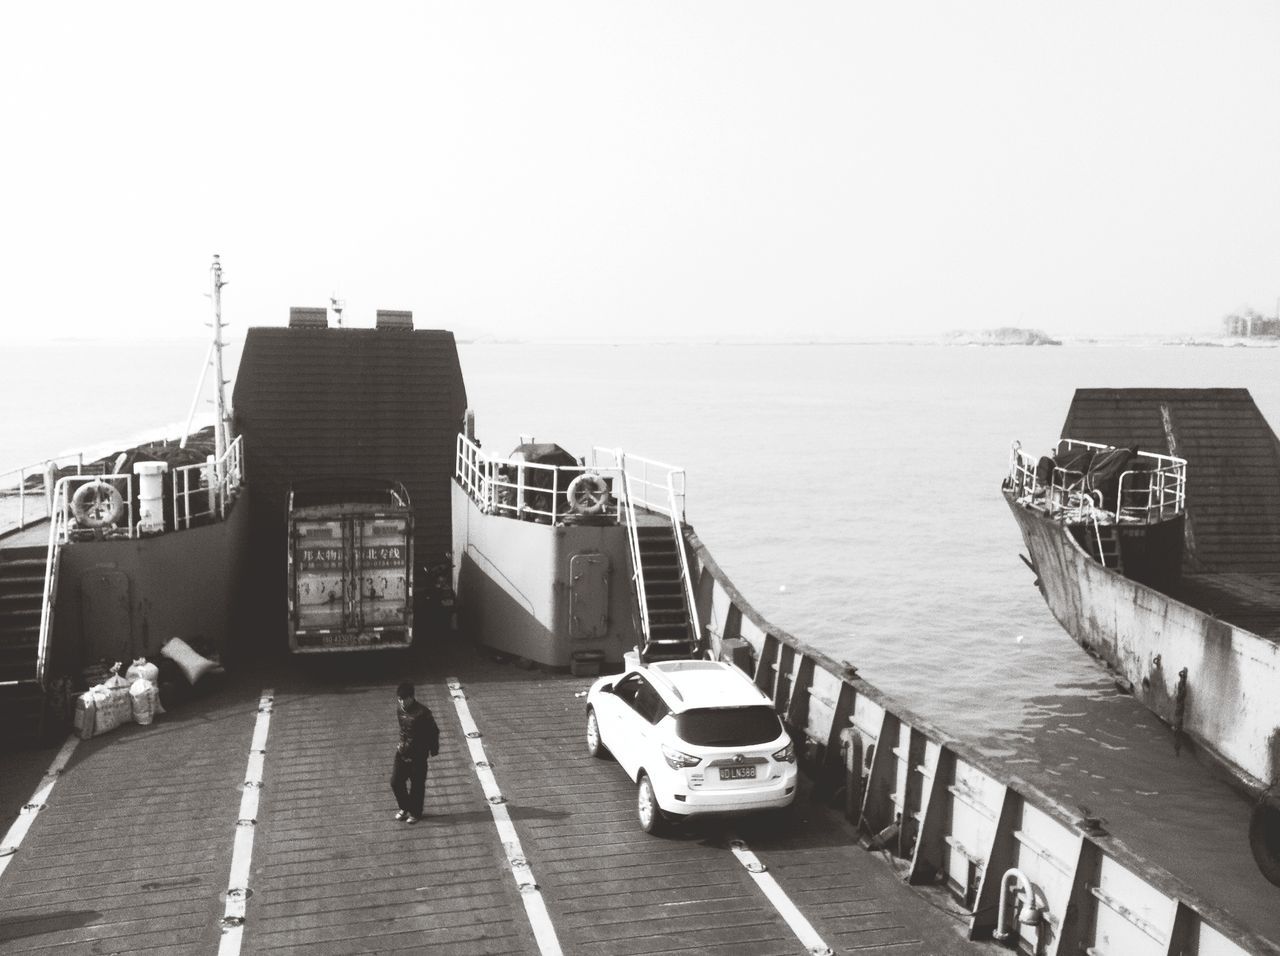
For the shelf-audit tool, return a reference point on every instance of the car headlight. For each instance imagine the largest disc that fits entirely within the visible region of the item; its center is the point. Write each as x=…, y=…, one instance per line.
x=786, y=755
x=678, y=760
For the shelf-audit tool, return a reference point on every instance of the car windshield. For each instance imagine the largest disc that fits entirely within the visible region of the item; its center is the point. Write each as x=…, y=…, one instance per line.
x=728, y=726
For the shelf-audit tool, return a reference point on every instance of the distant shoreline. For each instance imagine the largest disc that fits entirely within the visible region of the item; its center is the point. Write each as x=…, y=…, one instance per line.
x=993, y=338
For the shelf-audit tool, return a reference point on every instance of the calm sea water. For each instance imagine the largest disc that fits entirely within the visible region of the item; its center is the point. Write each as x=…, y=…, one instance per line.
x=852, y=493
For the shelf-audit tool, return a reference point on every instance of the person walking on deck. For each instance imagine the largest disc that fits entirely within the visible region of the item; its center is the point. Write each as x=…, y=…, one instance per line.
x=419, y=740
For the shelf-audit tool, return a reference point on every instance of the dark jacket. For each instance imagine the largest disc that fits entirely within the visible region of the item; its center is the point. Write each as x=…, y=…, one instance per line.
x=419, y=734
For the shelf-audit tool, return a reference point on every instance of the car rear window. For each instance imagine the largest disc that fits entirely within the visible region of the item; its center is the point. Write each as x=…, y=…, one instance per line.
x=728, y=726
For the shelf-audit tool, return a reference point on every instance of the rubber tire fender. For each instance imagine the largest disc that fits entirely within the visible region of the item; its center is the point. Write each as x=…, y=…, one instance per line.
x=1264, y=835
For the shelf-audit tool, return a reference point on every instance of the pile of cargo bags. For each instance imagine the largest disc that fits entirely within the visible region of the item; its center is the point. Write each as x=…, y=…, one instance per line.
x=135, y=696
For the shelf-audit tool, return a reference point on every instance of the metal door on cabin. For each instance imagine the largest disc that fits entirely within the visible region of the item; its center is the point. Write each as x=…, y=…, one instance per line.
x=588, y=597
x=106, y=615
x=352, y=576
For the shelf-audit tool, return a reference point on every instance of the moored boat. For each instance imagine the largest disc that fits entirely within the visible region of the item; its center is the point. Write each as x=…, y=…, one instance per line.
x=1165, y=564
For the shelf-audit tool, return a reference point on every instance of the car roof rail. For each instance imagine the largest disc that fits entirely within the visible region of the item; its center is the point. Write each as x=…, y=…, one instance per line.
x=666, y=679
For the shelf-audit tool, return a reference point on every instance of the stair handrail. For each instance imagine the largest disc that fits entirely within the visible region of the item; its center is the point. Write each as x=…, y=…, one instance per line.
x=633, y=539
x=1097, y=535
x=57, y=534
x=677, y=519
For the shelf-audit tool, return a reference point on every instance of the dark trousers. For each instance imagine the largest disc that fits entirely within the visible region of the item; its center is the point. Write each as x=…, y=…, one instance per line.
x=409, y=783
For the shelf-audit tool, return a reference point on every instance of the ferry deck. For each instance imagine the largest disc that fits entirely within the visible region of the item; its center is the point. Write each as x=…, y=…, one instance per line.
x=133, y=847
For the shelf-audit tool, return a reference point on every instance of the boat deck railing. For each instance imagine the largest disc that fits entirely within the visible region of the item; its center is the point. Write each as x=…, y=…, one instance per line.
x=526, y=490
x=201, y=493
x=1156, y=490
x=26, y=493
x=204, y=492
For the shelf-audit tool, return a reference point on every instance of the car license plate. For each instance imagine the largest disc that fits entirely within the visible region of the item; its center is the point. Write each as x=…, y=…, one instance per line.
x=737, y=773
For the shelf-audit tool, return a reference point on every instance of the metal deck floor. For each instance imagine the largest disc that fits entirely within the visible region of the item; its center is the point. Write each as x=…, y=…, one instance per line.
x=133, y=850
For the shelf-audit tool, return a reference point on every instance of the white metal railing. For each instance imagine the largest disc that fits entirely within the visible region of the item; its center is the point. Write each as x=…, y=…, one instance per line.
x=633, y=542
x=654, y=485
x=1155, y=492
x=26, y=493
x=75, y=527
x=522, y=489
x=50, y=591
x=204, y=491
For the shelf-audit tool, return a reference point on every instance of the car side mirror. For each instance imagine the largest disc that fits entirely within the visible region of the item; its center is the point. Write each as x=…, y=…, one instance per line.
x=606, y=689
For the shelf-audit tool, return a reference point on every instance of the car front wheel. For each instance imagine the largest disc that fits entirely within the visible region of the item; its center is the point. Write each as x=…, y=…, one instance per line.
x=650, y=815
x=594, y=745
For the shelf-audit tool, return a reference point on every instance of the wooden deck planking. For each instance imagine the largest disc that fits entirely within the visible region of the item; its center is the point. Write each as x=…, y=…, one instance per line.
x=334, y=873
x=613, y=889
x=132, y=852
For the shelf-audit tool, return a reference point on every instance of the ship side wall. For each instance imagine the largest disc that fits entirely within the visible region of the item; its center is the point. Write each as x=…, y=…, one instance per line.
x=951, y=816
x=1230, y=710
x=521, y=583
x=119, y=600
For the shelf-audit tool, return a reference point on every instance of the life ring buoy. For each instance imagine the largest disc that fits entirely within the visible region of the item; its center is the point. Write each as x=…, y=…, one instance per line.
x=587, y=494
x=97, y=505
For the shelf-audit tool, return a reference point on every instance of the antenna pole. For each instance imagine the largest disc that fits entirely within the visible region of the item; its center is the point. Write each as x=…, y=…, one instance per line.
x=219, y=392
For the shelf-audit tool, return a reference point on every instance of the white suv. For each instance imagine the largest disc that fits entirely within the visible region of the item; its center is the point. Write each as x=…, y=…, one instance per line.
x=696, y=736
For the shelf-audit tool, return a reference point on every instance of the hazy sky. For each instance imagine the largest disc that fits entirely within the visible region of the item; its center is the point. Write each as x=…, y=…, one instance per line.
x=601, y=168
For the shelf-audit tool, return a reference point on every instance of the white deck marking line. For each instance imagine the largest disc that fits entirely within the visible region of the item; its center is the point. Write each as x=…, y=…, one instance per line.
x=808, y=936
x=535, y=907
x=27, y=816
x=242, y=849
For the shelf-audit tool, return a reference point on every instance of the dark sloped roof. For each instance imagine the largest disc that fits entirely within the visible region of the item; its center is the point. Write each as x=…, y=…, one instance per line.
x=332, y=402
x=1233, y=464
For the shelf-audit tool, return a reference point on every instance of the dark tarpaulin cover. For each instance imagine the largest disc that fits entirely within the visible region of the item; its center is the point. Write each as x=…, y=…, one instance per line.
x=1074, y=461
x=543, y=453
x=1105, y=471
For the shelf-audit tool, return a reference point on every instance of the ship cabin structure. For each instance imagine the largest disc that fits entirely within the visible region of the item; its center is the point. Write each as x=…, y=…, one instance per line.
x=568, y=562
x=104, y=560
x=348, y=434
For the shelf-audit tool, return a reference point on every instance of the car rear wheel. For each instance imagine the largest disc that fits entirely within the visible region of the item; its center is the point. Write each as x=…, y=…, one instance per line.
x=647, y=809
x=595, y=747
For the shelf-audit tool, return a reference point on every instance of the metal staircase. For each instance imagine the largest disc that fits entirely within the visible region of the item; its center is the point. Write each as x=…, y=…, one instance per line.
x=1104, y=545
x=651, y=504
x=661, y=577
x=22, y=580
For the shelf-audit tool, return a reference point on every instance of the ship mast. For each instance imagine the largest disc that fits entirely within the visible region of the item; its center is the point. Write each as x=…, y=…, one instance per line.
x=219, y=392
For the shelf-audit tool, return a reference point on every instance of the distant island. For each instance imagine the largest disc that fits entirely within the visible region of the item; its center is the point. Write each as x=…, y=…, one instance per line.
x=1005, y=335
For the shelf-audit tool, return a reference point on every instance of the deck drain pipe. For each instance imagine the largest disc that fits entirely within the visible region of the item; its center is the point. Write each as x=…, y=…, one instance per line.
x=1011, y=901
